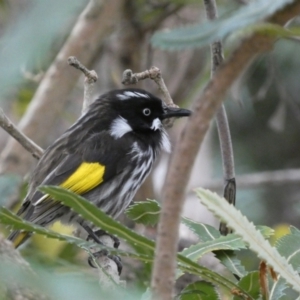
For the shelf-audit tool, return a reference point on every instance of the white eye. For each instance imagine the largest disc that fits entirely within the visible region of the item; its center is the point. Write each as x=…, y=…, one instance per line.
x=146, y=112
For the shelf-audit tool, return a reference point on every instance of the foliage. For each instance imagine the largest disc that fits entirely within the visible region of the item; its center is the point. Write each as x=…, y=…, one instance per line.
x=244, y=21
x=210, y=240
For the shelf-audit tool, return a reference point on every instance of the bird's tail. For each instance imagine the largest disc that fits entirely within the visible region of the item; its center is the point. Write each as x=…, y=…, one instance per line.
x=18, y=237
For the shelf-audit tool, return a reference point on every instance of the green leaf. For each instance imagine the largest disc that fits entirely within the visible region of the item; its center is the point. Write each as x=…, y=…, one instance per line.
x=204, y=34
x=91, y=213
x=231, y=262
x=229, y=242
x=146, y=212
x=14, y=221
x=235, y=220
x=199, y=290
x=250, y=283
x=289, y=247
x=204, y=232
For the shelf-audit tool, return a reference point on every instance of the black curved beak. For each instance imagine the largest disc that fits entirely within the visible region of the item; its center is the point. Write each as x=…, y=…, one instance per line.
x=177, y=112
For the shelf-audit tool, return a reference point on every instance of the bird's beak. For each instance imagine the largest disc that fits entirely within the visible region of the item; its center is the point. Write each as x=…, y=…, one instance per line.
x=170, y=112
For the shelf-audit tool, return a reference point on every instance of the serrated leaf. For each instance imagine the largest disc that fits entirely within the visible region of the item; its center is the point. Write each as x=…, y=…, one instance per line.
x=101, y=220
x=250, y=235
x=229, y=242
x=204, y=34
x=146, y=212
x=199, y=290
x=231, y=262
x=294, y=230
x=250, y=283
x=10, y=219
x=204, y=232
x=289, y=247
x=91, y=213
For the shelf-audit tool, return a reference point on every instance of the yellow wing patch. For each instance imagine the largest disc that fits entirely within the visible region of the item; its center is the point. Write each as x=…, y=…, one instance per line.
x=86, y=177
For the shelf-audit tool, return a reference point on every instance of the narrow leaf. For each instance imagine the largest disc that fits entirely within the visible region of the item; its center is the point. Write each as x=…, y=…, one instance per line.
x=90, y=212
x=204, y=232
x=145, y=212
x=250, y=235
x=204, y=34
x=229, y=242
x=231, y=262
x=289, y=247
x=250, y=283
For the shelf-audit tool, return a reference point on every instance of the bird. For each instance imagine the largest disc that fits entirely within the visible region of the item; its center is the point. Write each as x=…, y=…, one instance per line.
x=104, y=156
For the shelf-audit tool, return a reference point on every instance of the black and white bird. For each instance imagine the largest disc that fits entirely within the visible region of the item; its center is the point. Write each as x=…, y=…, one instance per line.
x=105, y=157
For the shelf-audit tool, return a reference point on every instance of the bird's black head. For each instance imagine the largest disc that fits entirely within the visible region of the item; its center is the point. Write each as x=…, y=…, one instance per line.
x=139, y=111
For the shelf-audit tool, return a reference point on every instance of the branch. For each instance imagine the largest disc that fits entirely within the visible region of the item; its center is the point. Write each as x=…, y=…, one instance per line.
x=190, y=141
x=90, y=78
x=261, y=179
x=153, y=73
x=27, y=143
x=222, y=121
x=87, y=36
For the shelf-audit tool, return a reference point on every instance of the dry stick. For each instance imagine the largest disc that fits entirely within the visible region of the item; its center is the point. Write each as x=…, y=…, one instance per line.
x=222, y=121
x=260, y=179
x=186, y=151
x=90, y=78
x=27, y=143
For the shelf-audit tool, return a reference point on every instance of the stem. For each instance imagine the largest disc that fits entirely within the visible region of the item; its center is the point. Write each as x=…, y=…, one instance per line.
x=163, y=275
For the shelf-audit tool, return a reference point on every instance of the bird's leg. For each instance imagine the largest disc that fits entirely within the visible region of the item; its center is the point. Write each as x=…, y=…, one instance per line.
x=95, y=236
x=102, y=232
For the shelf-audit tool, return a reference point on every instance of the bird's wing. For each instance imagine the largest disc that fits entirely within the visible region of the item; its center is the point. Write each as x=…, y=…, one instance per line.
x=99, y=160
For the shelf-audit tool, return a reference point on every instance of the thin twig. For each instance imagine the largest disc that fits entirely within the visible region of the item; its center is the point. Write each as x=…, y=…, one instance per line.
x=26, y=142
x=153, y=73
x=190, y=140
x=257, y=180
x=90, y=78
x=222, y=121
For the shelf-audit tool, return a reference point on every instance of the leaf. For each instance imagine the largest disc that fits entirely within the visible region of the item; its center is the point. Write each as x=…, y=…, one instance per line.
x=145, y=212
x=250, y=235
x=203, y=231
x=289, y=247
x=91, y=213
x=11, y=219
x=229, y=242
x=231, y=262
x=250, y=283
x=199, y=290
x=204, y=34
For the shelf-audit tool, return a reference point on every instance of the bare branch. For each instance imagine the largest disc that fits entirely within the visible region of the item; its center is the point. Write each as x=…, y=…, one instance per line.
x=27, y=143
x=153, y=73
x=261, y=179
x=190, y=141
x=90, y=78
x=222, y=121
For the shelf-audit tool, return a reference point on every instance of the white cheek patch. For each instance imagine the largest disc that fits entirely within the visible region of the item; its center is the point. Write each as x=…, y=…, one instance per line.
x=165, y=142
x=119, y=127
x=128, y=94
x=156, y=124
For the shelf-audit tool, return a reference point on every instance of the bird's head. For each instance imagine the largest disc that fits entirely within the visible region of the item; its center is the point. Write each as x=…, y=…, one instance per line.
x=139, y=111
